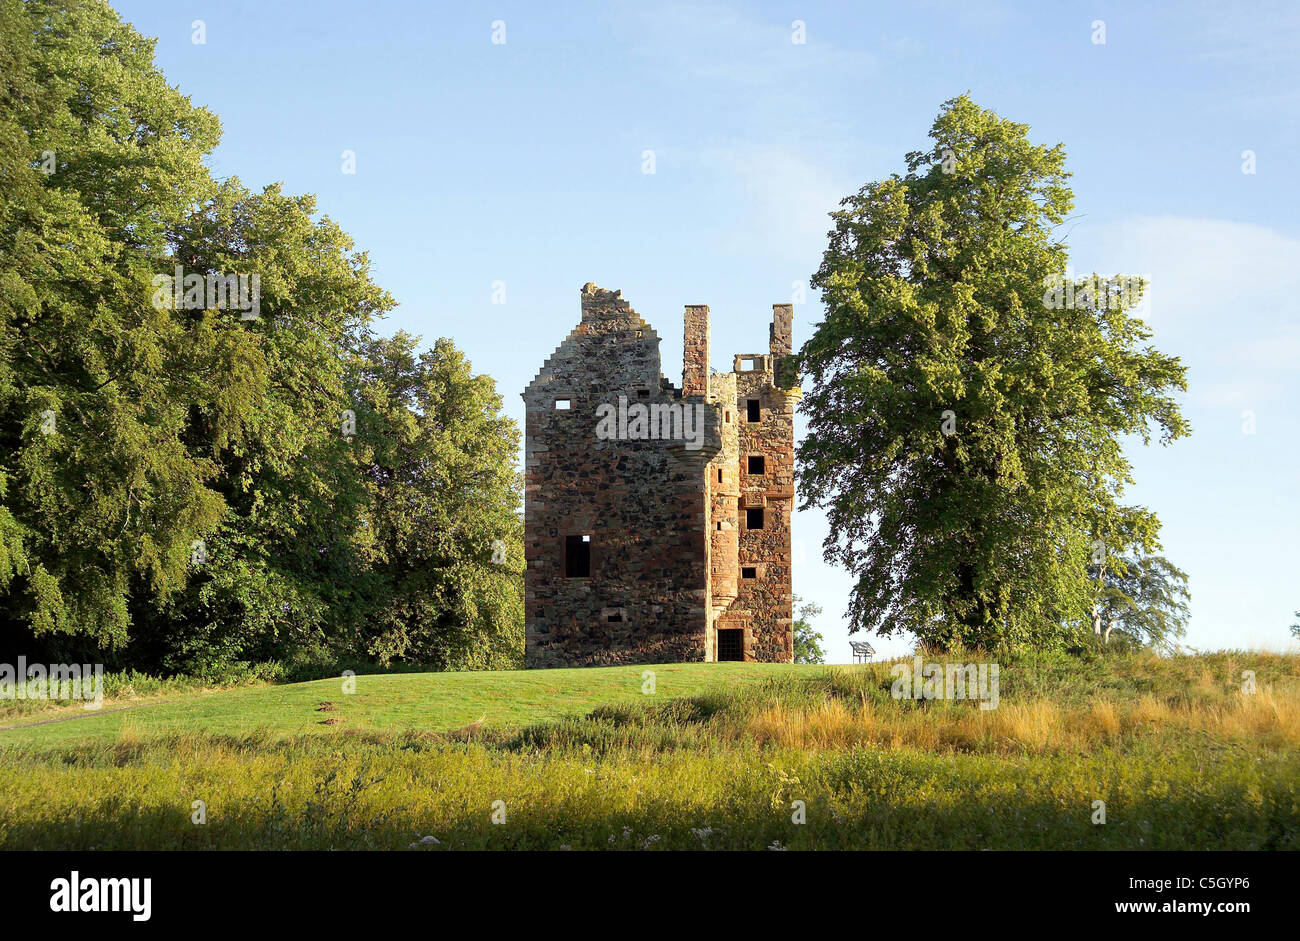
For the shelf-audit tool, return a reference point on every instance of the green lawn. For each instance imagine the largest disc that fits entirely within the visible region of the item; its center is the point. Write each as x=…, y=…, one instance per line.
x=436, y=702
x=723, y=756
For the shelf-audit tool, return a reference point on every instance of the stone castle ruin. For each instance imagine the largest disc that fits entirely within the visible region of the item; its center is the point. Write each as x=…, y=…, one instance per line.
x=657, y=519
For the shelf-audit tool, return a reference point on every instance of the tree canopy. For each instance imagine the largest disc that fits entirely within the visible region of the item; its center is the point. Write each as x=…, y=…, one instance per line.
x=807, y=640
x=966, y=423
x=1143, y=601
x=253, y=473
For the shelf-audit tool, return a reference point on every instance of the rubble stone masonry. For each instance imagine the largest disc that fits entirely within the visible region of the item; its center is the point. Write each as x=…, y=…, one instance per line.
x=665, y=547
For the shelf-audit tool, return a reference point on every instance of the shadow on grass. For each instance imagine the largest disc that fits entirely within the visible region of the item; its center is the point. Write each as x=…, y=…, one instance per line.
x=332, y=824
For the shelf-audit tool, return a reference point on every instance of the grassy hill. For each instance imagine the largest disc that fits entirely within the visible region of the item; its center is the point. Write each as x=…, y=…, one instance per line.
x=721, y=756
x=435, y=702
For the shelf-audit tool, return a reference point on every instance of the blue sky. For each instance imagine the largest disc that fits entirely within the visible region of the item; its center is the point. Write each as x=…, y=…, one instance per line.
x=521, y=162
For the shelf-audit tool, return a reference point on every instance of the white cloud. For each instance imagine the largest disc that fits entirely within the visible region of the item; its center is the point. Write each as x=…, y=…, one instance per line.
x=724, y=44
x=779, y=143
x=1267, y=35
x=782, y=195
x=1224, y=295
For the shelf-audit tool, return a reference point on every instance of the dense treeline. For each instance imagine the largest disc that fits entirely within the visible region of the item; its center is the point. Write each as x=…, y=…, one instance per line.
x=188, y=486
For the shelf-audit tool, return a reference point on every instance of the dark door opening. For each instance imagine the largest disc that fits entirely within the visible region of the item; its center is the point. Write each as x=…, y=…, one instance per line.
x=731, y=645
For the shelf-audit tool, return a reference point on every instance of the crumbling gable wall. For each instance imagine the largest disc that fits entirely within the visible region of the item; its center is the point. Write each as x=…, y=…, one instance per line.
x=640, y=502
x=674, y=558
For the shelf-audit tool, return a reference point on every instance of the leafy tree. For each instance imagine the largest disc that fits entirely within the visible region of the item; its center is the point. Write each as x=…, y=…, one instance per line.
x=181, y=486
x=1295, y=628
x=965, y=428
x=442, y=505
x=1143, y=599
x=284, y=572
x=99, y=493
x=807, y=642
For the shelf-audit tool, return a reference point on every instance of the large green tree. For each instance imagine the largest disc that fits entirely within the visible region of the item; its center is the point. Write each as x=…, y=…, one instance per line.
x=965, y=423
x=283, y=573
x=807, y=640
x=183, y=486
x=98, y=489
x=1142, y=601
x=441, y=504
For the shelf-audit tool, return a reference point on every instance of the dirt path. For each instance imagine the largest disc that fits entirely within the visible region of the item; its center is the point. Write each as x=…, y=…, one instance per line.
x=84, y=714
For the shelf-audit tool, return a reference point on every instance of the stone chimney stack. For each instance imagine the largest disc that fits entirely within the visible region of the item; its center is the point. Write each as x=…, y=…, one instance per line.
x=695, y=350
x=782, y=332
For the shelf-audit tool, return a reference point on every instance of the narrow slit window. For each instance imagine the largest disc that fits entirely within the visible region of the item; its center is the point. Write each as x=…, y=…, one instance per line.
x=719, y=475
x=754, y=518
x=577, y=556
x=757, y=464
x=753, y=410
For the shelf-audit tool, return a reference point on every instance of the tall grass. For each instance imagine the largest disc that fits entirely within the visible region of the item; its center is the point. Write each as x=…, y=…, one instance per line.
x=1181, y=756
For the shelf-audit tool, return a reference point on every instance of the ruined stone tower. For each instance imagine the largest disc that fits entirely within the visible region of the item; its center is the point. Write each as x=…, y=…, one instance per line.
x=657, y=519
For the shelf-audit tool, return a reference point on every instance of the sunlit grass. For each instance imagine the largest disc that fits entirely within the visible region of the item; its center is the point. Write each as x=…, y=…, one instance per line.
x=420, y=701
x=1181, y=756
